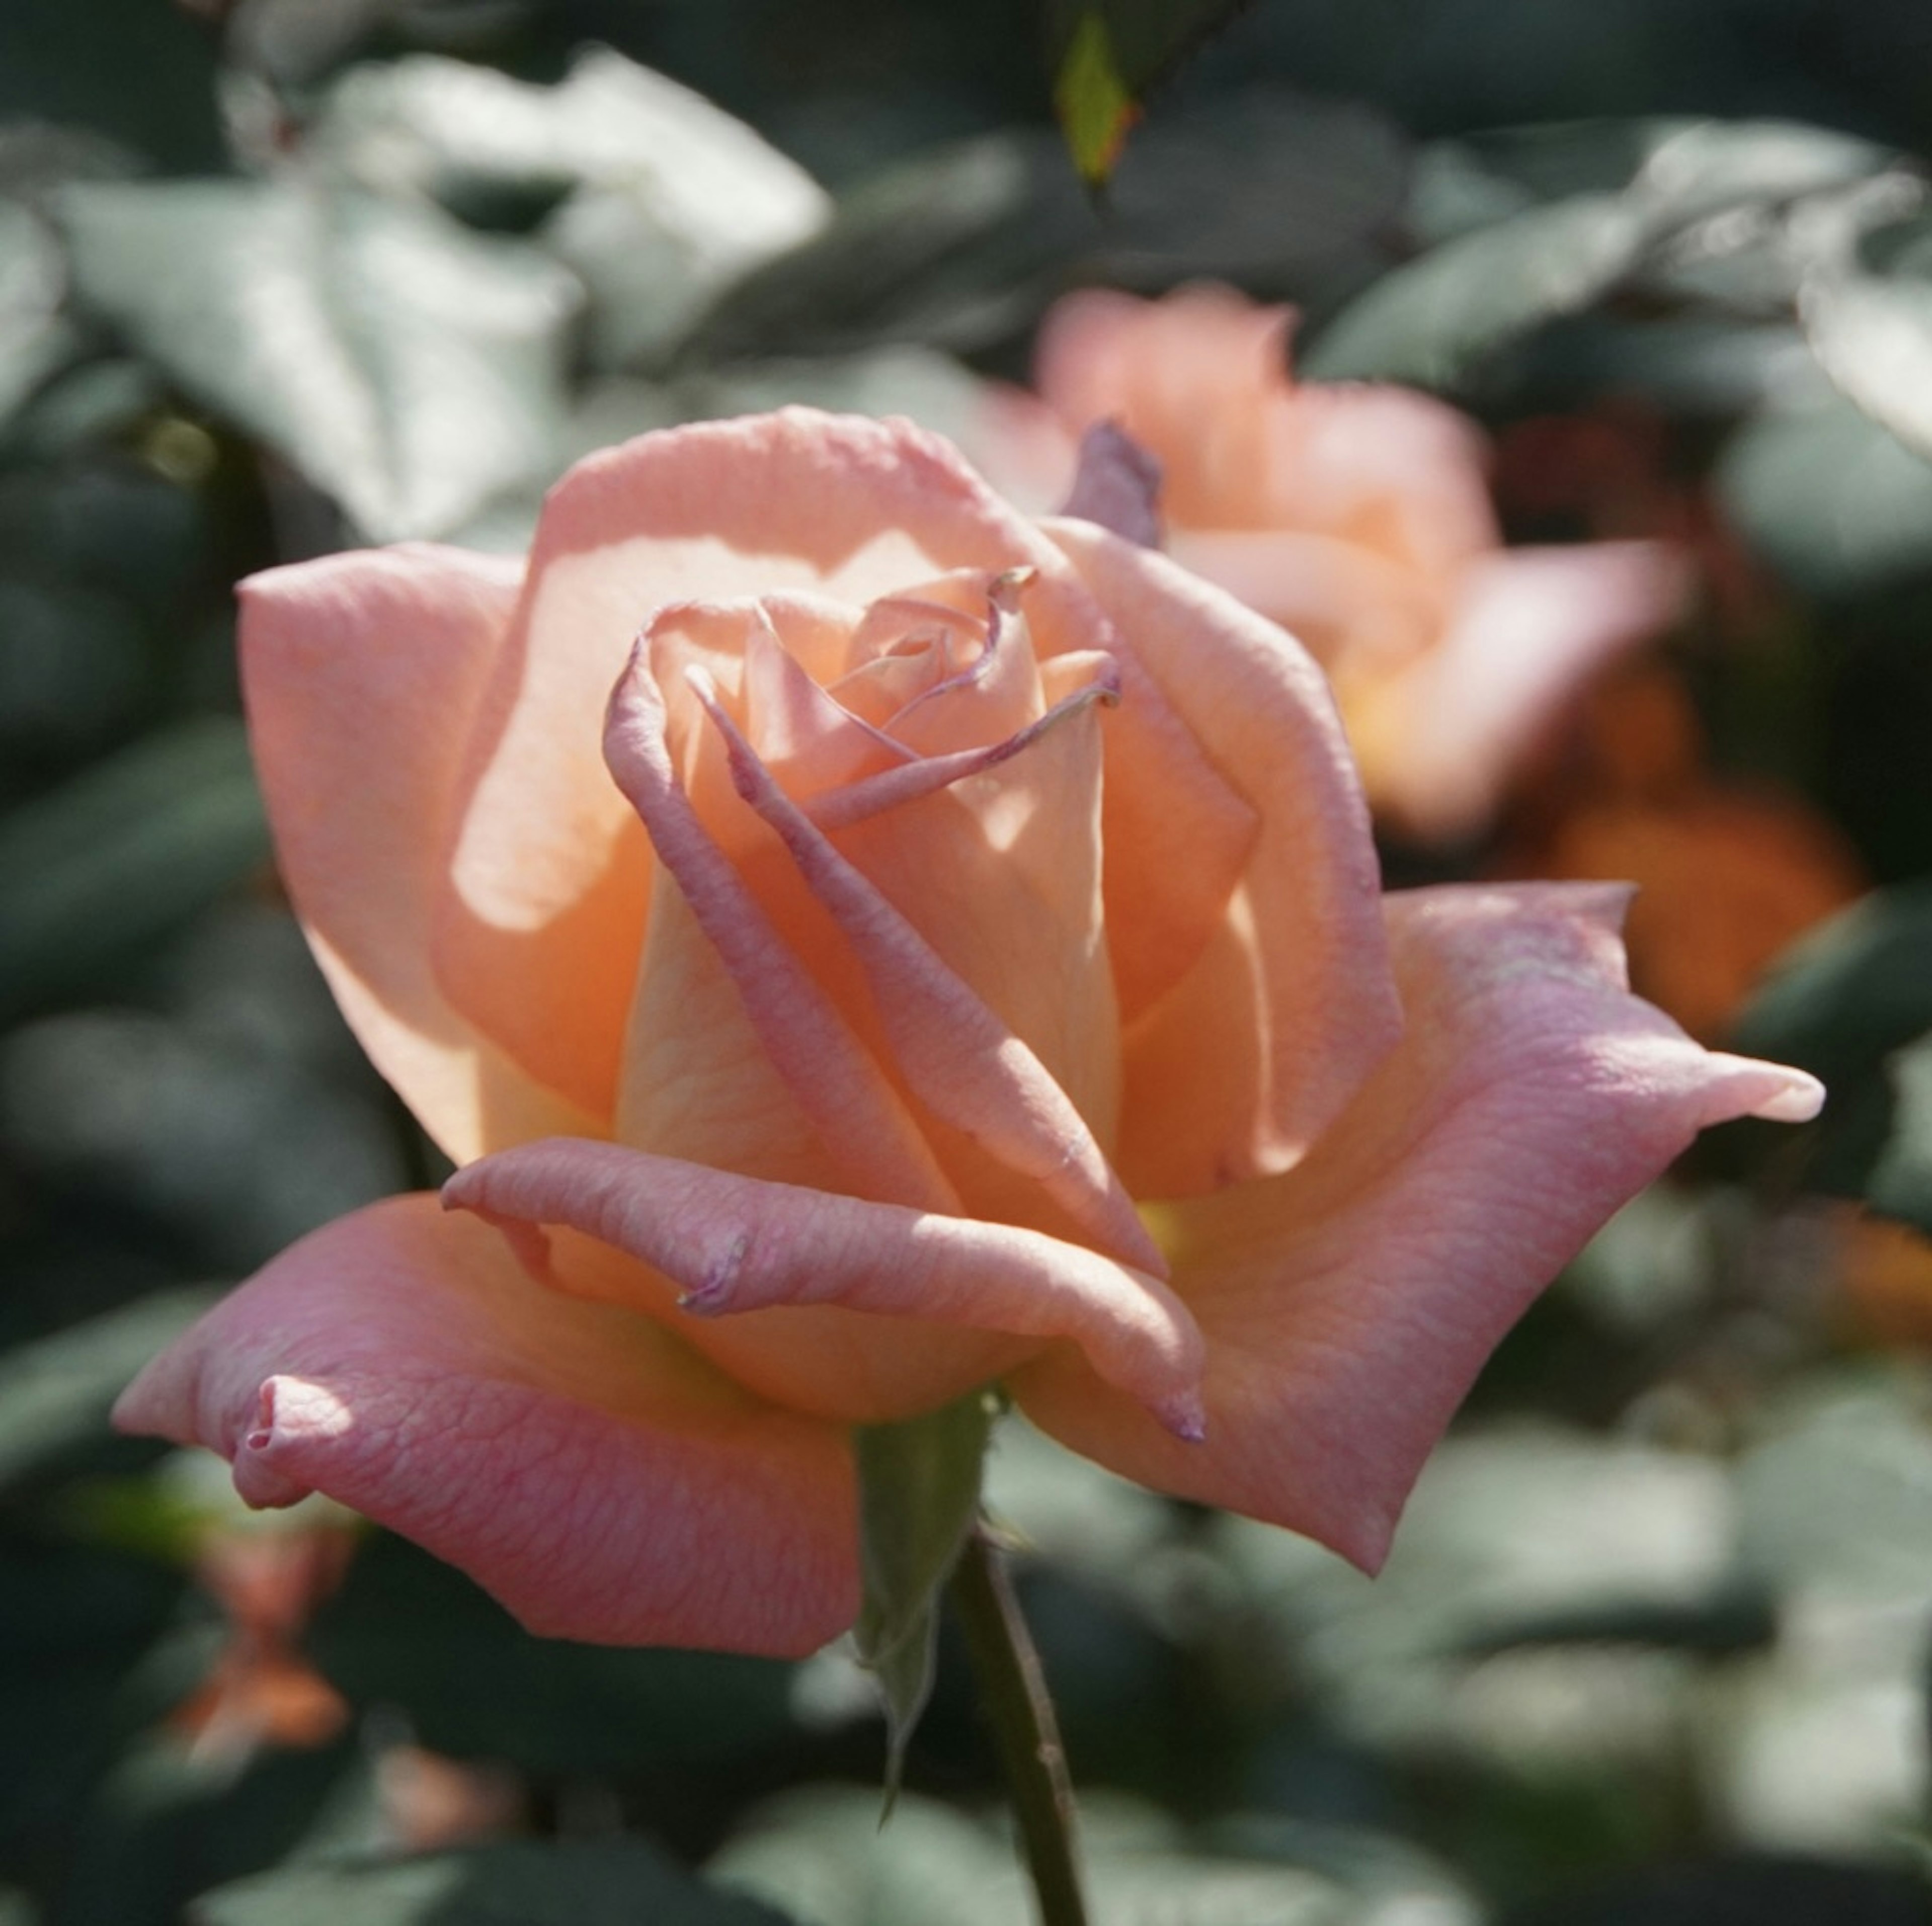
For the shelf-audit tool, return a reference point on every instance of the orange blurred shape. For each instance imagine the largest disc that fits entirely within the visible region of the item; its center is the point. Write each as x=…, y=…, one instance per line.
x=1638, y=733
x=1885, y=1280
x=261, y=1691
x=430, y=1802
x=1727, y=876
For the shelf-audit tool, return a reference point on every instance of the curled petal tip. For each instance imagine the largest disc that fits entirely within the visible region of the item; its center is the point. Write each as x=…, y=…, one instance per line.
x=1798, y=1101
x=1185, y=1416
x=529, y=1241
x=1004, y=590
x=711, y=1296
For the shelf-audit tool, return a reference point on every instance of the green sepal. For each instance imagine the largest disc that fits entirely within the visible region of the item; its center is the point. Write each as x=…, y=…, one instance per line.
x=919, y=1496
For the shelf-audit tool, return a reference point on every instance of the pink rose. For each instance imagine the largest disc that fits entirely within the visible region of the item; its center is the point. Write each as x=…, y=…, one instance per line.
x=931, y=885
x=1358, y=517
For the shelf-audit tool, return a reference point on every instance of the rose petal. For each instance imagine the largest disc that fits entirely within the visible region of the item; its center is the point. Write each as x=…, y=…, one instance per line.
x=978, y=681
x=799, y=729
x=1117, y=485
x=577, y=1461
x=962, y=1063
x=864, y=797
x=1000, y=875
x=362, y=674
x=822, y=1360
x=1348, y=1305
x=735, y=1244
x=1297, y=962
x=1356, y=611
x=551, y=875
x=1398, y=472
x=1530, y=628
x=778, y=1049
x=1185, y=377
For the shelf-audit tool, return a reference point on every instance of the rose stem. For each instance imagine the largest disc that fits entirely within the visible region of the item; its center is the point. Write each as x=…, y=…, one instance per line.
x=1013, y=1689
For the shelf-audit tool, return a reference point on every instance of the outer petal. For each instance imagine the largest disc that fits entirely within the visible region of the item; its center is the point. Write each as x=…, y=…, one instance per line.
x=1438, y=740
x=363, y=673
x=551, y=873
x=1234, y=1071
x=1348, y=1305
x=735, y=1244
x=576, y=1460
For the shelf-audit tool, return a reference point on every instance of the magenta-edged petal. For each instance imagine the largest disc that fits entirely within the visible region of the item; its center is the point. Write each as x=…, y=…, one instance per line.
x=821, y=1068
x=579, y=1462
x=961, y=1061
x=1237, y=1068
x=362, y=673
x=893, y=788
x=1116, y=484
x=1348, y=1305
x=733, y=1245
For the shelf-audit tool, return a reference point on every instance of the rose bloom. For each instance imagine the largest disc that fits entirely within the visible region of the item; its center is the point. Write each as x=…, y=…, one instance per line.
x=862, y=946
x=1356, y=515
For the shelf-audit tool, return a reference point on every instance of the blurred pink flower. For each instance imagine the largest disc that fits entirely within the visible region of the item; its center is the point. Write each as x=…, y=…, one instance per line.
x=1356, y=516
x=812, y=902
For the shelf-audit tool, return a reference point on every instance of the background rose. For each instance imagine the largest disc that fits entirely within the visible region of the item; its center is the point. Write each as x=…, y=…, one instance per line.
x=1358, y=516
x=927, y=869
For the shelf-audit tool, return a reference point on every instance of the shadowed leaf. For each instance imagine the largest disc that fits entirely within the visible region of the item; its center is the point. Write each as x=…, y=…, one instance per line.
x=123, y=855
x=409, y=368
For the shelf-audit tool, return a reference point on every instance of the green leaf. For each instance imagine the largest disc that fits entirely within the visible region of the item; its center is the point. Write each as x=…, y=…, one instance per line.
x=123, y=855
x=1432, y=321
x=821, y=1851
x=78, y=1625
x=1857, y=989
x=1537, y=224
x=919, y=1496
x=1835, y=501
x=1104, y=55
x=1095, y=107
x=1867, y=305
x=55, y=1393
x=171, y=1818
x=1874, y=339
x=35, y=339
x=1761, y=1888
x=952, y=248
x=654, y=197
x=1900, y=1184
x=1852, y=1004
x=409, y=368
x=606, y=1882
